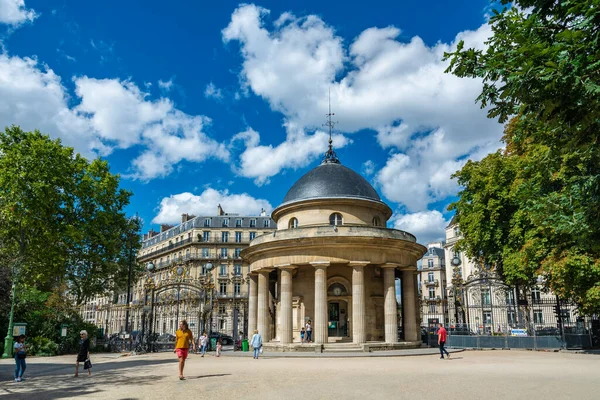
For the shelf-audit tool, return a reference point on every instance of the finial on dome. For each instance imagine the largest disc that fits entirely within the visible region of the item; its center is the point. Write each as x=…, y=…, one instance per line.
x=330, y=156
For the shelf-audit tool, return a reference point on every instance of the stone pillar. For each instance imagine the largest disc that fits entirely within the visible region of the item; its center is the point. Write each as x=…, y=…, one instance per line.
x=358, y=302
x=263, y=317
x=410, y=309
x=390, y=306
x=252, y=304
x=320, y=324
x=286, y=304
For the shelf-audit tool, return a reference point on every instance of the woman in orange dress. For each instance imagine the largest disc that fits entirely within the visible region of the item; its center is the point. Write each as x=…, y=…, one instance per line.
x=182, y=345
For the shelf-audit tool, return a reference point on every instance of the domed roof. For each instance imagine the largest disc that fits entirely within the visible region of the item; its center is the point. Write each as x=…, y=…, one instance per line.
x=331, y=180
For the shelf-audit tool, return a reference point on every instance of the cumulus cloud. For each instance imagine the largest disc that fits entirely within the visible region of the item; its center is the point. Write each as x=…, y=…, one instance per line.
x=14, y=12
x=263, y=161
x=427, y=226
x=111, y=114
x=368, y=168
x=206, y=203
x=212, y=91
x=166, y=85
x=428, y=119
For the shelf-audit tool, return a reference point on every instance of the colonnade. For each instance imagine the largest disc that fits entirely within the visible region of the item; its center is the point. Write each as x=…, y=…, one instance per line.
x=259, y=316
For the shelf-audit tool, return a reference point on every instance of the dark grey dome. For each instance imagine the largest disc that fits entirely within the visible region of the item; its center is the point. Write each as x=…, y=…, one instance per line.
x=331, y=180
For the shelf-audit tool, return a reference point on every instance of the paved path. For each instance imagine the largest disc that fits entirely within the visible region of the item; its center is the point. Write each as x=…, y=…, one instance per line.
x=493, y=375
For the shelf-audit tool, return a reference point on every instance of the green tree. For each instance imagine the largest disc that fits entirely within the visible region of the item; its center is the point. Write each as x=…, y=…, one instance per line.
x=535, y=208
x=63, y=216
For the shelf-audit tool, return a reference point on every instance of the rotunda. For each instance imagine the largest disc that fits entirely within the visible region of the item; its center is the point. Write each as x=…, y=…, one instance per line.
x=332, y=261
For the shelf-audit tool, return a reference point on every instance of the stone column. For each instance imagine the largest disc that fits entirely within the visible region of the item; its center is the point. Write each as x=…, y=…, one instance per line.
x=286, y=304
x=390, y=306
x=252, y=303
x=319, y=326
x=410, y=308
x=263, y=317
x=358, y=302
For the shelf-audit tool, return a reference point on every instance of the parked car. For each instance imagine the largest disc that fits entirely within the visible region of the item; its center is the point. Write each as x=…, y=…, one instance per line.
x=166, y=337
x=225, y=339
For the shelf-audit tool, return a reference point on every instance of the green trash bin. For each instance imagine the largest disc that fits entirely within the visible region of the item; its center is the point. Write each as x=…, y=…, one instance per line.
x=245, y=346
x=213, y=344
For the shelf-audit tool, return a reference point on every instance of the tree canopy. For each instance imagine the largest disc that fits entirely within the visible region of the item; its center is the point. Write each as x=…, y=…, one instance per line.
x=533, y=209
x=63, y=217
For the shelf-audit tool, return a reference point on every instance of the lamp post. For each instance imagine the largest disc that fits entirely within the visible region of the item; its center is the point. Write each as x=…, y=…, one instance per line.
x=8, y=340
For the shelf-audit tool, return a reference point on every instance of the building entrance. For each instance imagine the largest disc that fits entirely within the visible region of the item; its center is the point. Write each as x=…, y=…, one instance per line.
x=338, y=319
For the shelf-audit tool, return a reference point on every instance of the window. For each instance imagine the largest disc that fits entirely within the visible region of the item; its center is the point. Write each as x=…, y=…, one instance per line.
x=510, y=298
x=224, y=252
x=538, y=317
x=293, y=223
x=536, y=296
x=566, y=316
x=222, y=324
x=225, y=222
x=487, y=318
x=433, y=308
x=456, y=231
x=224, y=237
x=486, y=299
x=236, y=288
x=430, y=277
x=223, y=288
x=266, y=223
x=207, y=222
x=431, y=293
x=223, y=270
x=252, y=235
x=335, y=219
x=222, y=309
x=238, y=237
x=236, y=253
x=376, y=221
x=511, y=318
x=252, y=223
x=238, y=222
x=237, y=269
x=168, y=259
x=206, y=236
x=190, y=236
x=204, y=252
x=430, y=263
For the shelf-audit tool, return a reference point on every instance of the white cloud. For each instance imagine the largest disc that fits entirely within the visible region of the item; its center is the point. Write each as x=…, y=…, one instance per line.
x=110, y=114
x=428, y=226
x=399, y=89
x=212, y=91
x=166, y=85
x=14, y=12
x=206, y=203
x=261, y=162
x=368, y=168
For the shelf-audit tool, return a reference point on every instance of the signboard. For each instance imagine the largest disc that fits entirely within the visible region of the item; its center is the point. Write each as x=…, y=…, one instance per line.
x=518, y=332
x=19, y=328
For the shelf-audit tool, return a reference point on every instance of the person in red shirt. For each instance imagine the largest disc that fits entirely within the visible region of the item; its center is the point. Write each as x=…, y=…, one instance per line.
x=442, y=335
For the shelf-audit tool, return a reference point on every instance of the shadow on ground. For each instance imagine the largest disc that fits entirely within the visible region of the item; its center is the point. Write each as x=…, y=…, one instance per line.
x=56, y=381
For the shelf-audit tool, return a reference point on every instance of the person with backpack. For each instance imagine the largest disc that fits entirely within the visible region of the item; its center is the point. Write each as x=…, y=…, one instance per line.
x=20, y=355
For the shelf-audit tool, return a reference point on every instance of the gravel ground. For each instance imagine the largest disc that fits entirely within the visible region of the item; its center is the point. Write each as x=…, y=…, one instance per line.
x=467, y=375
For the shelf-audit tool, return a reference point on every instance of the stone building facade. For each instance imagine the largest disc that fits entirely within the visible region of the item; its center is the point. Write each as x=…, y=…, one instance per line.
x=432, y=268
x=332, y=262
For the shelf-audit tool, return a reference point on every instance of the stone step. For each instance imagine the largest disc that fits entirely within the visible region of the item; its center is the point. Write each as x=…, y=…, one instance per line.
x=343, y=350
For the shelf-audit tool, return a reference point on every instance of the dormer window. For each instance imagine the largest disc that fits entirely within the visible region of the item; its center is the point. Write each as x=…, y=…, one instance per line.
x=376, y=221
x=335, y=219
x=293, y=223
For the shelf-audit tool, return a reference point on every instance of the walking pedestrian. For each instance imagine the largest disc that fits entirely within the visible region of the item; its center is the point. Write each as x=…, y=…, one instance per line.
x=219, y=346
x=183, y=338
x=302, y=333
x=84, y=352
x=256, y=343
x=203, y=343
x=309, y=331
x=20, y=355
x=442, y=335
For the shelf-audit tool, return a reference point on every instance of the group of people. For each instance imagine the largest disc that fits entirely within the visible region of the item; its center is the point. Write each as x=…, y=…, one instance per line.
x=306, y=333
x=20, y=355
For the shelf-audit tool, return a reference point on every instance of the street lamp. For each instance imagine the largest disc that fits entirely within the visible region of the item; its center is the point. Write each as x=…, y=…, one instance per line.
x=149, y=321
x=8, y=340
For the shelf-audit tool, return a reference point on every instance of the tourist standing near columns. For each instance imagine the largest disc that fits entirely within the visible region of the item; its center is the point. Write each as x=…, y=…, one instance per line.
x=20, y=355
x=256, y=343
x=84, y=352
x=442, y=335
x=309, y=331
x=302, y=333
x=184, y=337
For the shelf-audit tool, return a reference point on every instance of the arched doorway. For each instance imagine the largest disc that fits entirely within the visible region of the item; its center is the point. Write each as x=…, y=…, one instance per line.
x=338, y=310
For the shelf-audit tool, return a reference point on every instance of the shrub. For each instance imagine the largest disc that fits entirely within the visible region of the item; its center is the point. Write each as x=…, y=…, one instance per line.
x=41, y=346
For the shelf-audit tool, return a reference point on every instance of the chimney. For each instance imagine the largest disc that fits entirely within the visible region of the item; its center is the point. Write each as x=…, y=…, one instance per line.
x=220, y=210
x=263, y=213
x=165, y=227
x=152, y=233
x=184, y=218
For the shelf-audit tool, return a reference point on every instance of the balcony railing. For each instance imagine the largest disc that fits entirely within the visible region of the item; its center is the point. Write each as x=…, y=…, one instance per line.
x=212, y=241
x=433, y=282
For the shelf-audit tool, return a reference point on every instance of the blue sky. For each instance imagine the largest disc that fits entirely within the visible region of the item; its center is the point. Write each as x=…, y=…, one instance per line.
x=197, y=104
